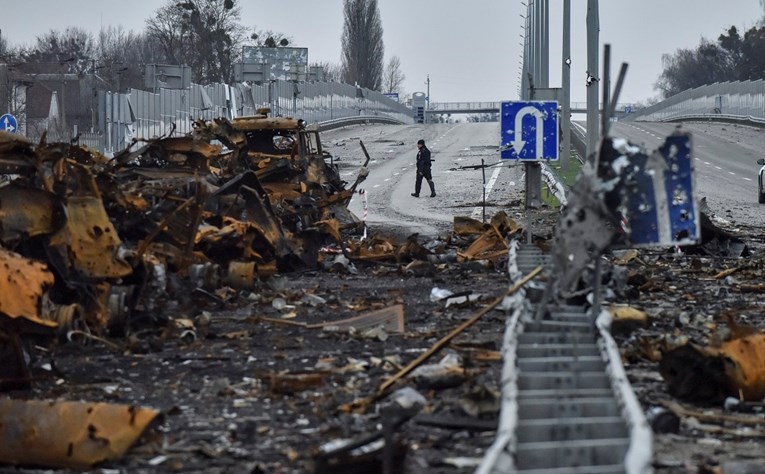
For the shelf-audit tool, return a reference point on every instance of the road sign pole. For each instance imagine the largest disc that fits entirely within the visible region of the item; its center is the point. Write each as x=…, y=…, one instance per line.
x=533, y=194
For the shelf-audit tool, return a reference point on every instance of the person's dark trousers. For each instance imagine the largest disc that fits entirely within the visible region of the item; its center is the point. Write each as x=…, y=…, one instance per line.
x=418, y=183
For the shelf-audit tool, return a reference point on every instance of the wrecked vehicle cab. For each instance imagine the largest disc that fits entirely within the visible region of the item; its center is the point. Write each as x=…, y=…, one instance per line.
x=761, y=181
x=286, y=156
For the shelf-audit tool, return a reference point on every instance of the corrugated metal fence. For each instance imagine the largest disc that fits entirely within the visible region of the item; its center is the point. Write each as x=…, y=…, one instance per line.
x=744, y=100
x=143, y=114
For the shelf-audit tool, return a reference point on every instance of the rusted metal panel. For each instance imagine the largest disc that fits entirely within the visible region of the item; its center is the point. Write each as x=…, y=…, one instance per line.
x=68, y=434
x=28, y=212
x=735, y=368
x=265, y=123
x=22, y=287
x=90, y=240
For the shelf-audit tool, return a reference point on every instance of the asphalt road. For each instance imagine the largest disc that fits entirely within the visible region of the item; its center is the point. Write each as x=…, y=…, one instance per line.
x=724, y=158
x=392, y=175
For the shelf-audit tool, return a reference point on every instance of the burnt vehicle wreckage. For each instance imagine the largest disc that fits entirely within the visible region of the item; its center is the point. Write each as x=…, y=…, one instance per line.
x=96, y=244
x=221, y=277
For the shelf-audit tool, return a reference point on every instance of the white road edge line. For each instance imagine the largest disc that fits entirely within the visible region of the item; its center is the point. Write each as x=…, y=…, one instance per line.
x=478, y=210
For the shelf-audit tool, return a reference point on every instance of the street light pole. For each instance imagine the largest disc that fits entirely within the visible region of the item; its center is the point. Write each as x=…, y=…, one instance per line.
x=566, y=81
x=593, y=30
x=427, y=97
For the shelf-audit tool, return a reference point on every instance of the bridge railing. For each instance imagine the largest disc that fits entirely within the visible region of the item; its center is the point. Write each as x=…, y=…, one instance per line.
x=436, y=107
x=721, y=99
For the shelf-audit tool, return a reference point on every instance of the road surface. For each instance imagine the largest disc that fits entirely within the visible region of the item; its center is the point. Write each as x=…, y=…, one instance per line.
x=388, y=188
x=724, y=158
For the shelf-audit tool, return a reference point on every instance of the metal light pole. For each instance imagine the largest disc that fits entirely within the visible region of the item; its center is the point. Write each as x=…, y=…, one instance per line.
x=427, y=100
x=544, y=23
x=566, y=82
x=540, y=62
x=593, y=30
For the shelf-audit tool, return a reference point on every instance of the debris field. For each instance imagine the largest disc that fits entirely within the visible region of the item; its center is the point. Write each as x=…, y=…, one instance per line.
x=208, y=304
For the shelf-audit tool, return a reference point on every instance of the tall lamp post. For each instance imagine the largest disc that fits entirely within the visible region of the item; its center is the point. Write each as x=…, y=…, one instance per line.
x=120, y=132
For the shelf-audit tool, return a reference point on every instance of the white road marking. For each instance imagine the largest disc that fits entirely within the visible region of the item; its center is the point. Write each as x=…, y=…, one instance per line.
x=747, y=179
x=478, y=210
x=718, y=168
x=731, y=173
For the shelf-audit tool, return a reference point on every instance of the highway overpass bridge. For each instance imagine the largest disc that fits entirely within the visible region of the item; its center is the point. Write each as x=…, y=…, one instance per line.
x=440, y=108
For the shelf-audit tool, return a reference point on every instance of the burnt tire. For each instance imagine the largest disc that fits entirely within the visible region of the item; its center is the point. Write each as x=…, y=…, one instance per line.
x=761, y=197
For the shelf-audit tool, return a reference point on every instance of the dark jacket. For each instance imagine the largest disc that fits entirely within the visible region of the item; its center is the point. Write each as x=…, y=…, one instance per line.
x=423, y=159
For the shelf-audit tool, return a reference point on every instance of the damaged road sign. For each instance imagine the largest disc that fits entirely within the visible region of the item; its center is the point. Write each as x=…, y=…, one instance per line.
x=529, y=130
x=654, y=194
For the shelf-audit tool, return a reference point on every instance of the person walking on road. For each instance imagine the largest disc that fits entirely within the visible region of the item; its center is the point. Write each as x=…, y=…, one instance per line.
x=423, y=170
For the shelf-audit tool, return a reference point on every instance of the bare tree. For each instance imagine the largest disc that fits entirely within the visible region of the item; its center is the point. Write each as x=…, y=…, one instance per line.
x=270, y=39
x=121, y=56
x=3, y=47
x=204, y=34
x=393, y=79
x=362, y=43
x=73, y=47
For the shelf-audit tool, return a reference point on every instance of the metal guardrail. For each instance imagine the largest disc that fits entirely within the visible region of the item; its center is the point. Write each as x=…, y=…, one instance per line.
x=567, y=405
x=579, y=140
x=726, y=118
x=365, y=119
x=738, y=99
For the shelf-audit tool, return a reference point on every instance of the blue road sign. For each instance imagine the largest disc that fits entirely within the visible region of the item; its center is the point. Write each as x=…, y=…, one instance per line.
x=656, y=192
x=529, y=130
x=627, y=109
x=8, y=123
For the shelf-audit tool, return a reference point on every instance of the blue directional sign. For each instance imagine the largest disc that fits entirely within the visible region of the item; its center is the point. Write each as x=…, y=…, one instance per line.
x=627, y=109
x=8, y=123
x=529, y=130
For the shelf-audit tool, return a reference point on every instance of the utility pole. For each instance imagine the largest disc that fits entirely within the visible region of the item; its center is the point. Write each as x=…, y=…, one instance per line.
x=566, y=82
x=593, y=33
x=427, y=97
x=545, y=40
x=540, y=79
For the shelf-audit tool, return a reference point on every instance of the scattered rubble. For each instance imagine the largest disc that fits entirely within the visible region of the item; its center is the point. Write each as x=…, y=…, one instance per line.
x=227, y=274
x=147, y=257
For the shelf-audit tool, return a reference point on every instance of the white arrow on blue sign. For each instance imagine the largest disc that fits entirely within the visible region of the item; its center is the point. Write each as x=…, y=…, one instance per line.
x=8, y=123
x=529, y=130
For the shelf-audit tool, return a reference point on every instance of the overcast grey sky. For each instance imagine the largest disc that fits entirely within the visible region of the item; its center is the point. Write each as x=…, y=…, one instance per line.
x=470, y=48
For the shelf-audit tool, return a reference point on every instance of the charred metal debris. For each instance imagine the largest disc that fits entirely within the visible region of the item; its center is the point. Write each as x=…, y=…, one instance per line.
x=93, y=247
